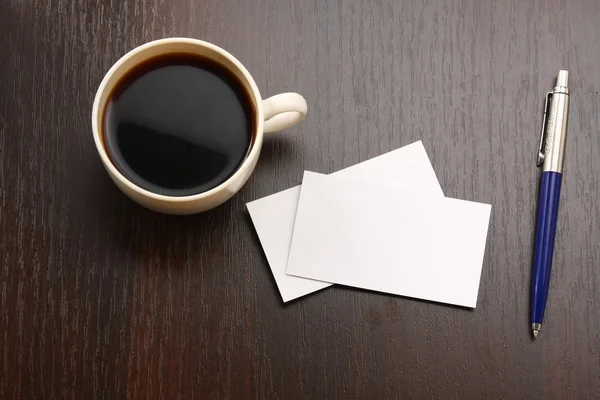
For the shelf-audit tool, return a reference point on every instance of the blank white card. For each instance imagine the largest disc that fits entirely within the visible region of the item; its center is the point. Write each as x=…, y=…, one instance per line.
x=273, y=216
x=390, y=240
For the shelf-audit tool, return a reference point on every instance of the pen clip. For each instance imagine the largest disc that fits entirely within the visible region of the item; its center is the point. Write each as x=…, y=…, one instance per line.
x=541, y=154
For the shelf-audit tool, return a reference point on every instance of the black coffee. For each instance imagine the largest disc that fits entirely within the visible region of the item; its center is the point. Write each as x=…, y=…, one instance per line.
x=178, y=125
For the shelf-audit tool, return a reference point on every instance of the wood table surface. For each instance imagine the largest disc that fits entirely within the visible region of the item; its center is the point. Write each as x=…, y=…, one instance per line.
x=102, y=299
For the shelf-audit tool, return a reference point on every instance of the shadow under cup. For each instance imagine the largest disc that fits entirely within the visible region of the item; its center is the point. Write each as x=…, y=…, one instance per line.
x=178, y=119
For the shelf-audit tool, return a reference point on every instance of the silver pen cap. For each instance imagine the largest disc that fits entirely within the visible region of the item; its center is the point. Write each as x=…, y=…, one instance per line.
x=551, y=152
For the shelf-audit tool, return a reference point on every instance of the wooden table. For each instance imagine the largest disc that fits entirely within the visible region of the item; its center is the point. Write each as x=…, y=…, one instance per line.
x=101, y=299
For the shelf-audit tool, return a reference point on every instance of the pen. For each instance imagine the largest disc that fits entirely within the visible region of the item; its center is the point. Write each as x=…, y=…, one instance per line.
x=551, y=154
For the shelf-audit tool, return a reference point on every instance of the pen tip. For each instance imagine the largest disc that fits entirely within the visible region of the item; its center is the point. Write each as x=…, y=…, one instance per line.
x=536, y=327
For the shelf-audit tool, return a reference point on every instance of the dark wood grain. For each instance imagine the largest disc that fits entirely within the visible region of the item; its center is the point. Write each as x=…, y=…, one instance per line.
x=101, y=299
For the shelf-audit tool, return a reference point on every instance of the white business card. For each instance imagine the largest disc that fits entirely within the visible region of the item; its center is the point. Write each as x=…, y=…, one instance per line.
x=274, y=216
x=387, y=239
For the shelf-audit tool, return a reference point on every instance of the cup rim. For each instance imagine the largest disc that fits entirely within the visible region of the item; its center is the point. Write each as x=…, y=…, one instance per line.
x=240, y=171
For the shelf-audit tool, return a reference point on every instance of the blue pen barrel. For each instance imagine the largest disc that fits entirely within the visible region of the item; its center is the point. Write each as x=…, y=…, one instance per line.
x=544, y=244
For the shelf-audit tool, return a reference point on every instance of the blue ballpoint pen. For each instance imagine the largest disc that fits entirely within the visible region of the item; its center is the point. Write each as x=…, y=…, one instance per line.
x=551, y=154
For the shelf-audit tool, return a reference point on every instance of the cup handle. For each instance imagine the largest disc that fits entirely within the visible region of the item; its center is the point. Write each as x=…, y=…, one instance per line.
x=283, y=111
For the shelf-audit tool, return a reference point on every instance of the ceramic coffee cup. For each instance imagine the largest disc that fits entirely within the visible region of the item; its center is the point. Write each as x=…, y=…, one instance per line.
x=271, y=115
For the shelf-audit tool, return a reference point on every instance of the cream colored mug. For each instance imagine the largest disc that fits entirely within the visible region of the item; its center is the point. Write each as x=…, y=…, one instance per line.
x=273, y=114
